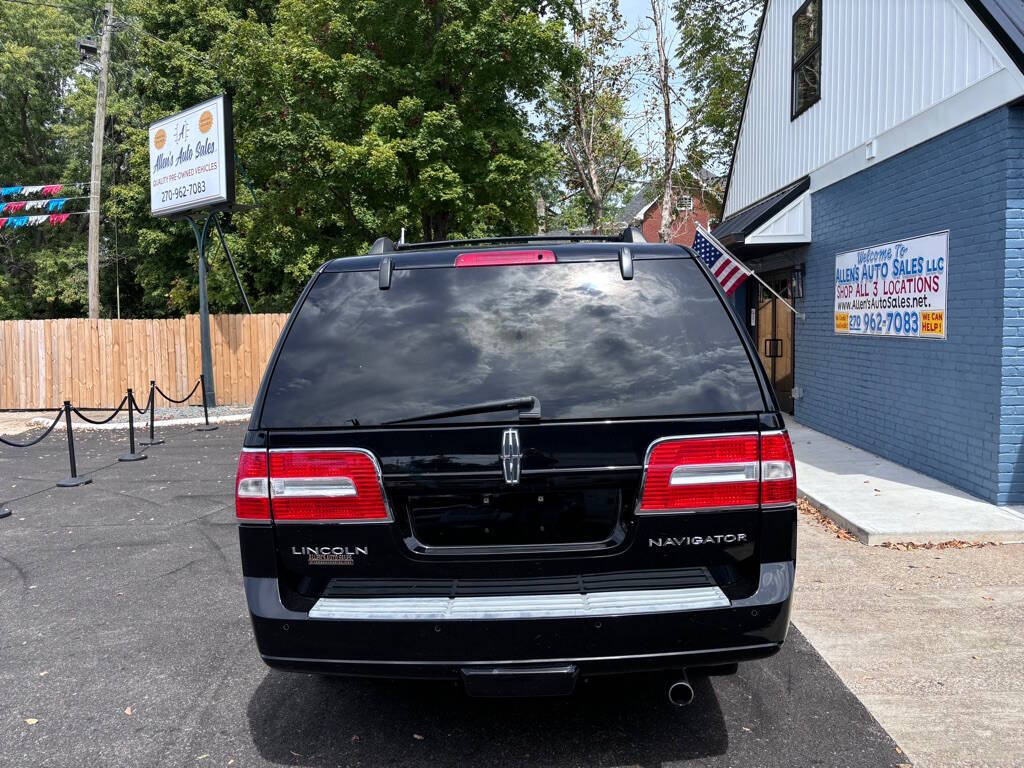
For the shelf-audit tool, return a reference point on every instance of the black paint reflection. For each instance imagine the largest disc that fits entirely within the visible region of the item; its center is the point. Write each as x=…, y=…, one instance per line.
x=586, y=342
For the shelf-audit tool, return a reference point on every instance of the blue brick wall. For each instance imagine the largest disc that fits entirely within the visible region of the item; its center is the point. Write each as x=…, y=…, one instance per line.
x=931, y=405
x=1011, y=421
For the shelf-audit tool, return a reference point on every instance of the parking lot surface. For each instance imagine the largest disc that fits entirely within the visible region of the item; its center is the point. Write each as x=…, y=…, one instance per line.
x=125, y=642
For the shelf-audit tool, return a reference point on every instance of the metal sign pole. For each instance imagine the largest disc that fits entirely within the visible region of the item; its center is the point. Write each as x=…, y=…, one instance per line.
x=204, y=310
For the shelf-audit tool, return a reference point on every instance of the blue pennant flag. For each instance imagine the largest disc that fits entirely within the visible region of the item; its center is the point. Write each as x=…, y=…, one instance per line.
x=17, y=221
x=56, y=205
x=9, y=191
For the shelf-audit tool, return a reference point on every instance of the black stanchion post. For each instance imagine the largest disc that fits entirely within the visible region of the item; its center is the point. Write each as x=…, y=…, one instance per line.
x=152, y=414
x=131, y=455
x=70, y=482
x=207, y=426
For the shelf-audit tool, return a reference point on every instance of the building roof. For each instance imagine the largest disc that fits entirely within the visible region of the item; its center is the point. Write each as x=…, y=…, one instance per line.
x=637, y=205
x=733, y=230
x=1005, y=20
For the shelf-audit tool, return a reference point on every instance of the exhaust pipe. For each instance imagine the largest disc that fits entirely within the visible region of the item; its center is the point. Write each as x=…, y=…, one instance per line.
x=680, y=692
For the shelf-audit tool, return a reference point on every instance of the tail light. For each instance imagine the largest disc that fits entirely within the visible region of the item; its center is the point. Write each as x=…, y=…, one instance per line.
x=778, y=470
x=719, y=472
x=504, y=258
x=252, y=496
x=331, y=485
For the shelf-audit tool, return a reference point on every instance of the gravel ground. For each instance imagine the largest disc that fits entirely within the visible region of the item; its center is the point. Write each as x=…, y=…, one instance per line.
x=929, y=639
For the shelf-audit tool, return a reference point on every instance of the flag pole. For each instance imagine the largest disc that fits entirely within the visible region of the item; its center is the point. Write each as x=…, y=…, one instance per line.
x=751, y=272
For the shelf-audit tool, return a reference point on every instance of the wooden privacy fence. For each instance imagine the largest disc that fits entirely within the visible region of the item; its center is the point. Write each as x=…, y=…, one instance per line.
x=92, y=362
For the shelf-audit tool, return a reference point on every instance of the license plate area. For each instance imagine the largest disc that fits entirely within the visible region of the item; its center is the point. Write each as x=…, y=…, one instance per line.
x=515, y=517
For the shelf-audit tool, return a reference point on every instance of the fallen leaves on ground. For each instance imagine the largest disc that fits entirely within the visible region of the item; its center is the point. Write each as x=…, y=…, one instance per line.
x=810, y=510
x=907, y=546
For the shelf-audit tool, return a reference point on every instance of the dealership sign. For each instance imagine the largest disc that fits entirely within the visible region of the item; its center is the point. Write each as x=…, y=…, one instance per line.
x=894, y=289
x=191, y=159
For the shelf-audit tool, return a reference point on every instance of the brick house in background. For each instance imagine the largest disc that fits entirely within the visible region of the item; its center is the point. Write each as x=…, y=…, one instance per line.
x=644, y=212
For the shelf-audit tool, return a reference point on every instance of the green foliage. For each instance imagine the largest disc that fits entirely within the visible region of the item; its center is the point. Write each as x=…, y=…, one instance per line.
x=715, y=51
x=352, y=120
x=38, y=76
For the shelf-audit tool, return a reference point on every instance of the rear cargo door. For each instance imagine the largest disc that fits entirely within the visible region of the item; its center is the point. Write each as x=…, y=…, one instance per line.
x=610, y=364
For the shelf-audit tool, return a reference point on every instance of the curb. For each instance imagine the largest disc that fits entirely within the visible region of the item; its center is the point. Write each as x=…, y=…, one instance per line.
x=874, y=539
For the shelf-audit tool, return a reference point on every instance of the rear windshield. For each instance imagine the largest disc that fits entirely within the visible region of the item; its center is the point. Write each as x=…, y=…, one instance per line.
x=585, y=342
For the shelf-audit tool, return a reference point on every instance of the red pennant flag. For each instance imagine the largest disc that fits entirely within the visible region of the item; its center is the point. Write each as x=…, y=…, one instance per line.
x=58, y=218
x=52, y=189
x=3, y=223
x=12, y=207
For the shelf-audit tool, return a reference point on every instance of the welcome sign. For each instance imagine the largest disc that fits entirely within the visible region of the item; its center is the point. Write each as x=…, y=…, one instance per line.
x=191, y=159
x=894, y=289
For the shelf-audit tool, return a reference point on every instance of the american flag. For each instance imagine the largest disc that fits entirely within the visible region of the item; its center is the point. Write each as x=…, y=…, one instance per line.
x=727, y=270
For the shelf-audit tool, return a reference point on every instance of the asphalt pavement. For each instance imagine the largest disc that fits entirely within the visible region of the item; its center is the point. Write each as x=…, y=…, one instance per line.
x=125, y=641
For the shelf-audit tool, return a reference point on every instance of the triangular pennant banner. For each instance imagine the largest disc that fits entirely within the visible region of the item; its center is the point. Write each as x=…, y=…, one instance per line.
x=52, y=189
x=35, y=221
x=58, y=218
x=3, y=222
x=7, y=191
x=30, y=190
x=17, y=221
x=57, y=204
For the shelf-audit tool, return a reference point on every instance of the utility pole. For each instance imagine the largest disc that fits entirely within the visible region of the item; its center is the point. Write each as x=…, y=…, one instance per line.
x=93, y=265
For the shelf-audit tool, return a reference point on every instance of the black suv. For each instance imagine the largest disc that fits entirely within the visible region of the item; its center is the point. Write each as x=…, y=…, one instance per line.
x=516, y=462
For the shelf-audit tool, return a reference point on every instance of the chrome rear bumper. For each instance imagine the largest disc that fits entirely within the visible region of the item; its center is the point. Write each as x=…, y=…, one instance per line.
x=557, y=606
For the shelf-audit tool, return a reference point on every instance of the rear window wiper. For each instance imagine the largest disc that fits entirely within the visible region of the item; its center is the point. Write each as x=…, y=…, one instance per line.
x=528, y=407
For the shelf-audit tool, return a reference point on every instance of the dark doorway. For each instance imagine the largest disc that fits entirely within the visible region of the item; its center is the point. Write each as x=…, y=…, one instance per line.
x=775, y=324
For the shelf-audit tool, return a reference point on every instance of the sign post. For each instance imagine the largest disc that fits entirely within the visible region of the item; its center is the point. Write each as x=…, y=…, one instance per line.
x=191, y=169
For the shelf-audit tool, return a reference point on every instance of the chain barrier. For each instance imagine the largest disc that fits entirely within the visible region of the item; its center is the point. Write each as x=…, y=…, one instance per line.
x=83, y=417
x=133, y=407
x=142, y=411
x=167, y=397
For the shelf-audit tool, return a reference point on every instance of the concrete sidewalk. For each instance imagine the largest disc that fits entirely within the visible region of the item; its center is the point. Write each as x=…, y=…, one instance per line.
x=928, y=639
x=880, y=501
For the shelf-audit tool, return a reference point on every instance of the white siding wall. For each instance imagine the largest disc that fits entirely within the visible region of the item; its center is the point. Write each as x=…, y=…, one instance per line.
x=883, y=63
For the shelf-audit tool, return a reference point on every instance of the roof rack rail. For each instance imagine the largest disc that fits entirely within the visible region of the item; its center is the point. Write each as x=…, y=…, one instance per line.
x=628, y=235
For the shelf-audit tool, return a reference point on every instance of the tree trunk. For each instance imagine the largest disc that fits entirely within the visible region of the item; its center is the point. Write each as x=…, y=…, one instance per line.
x=658, y=10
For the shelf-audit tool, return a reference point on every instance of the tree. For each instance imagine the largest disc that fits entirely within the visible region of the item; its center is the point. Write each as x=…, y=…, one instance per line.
x=585, y=113
x=669, y=139
x=353, y=119
x=42, y=271
x=715, y=52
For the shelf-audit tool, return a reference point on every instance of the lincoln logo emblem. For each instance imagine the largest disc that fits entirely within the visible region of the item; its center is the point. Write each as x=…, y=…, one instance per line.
x=511, y=458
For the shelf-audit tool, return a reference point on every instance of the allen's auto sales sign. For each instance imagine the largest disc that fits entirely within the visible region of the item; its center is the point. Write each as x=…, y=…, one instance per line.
x=191, y=159
x=894, y=289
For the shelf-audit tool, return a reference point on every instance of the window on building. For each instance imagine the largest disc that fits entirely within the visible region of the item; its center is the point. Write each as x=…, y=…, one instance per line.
x=806, y=57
